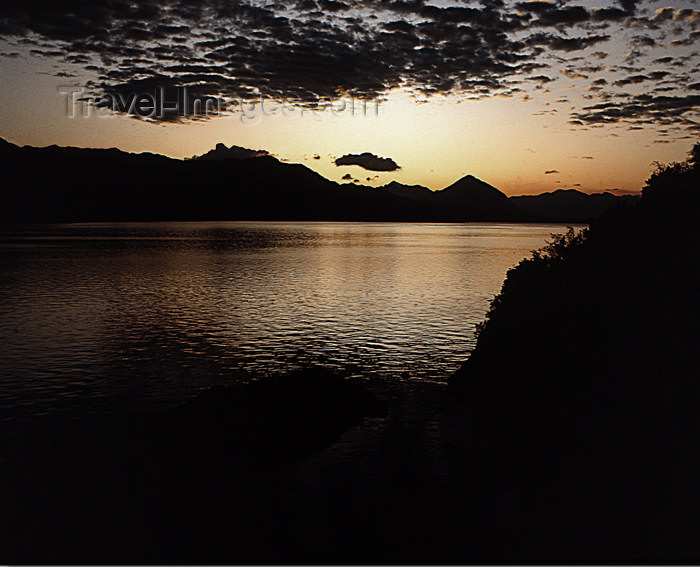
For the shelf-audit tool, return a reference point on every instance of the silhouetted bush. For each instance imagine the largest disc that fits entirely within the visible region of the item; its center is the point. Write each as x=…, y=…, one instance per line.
x=585, y=377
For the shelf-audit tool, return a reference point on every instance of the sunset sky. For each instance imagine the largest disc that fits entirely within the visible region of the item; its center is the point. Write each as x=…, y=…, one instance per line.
x=528, y=96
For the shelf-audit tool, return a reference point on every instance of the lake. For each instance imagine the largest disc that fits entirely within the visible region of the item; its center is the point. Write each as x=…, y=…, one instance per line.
x=114, y=317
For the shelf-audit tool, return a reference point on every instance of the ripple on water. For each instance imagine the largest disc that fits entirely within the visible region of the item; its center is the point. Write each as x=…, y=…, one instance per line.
x=112, y=317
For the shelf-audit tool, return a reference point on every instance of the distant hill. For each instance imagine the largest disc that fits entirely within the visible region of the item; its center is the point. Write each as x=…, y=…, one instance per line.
x=56, y=184
x=468, y=197
x=415, y=192
x=221, y=151
x=486, y=202
x=69, y=184
x=566, y=204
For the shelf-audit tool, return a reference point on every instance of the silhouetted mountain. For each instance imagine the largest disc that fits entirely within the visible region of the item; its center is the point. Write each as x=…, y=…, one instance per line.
x=415, y=192
x=480, y=199
x=5, y=145
x=585, y=381
x=221, y=151
x=56, y=184
x=477, y=199
x=566, y=205
x=98, y=185
x=467, y=198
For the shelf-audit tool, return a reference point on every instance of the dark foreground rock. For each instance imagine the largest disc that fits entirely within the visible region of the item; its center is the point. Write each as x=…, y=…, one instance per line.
x=585, y=379
x=122, y=490
x=268, y=422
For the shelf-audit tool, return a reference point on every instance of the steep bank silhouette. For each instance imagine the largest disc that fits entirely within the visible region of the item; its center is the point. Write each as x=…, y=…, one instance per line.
x=57, y=184
x=585, y=380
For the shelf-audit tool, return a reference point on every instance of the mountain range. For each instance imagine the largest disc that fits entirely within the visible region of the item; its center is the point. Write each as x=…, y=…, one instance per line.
x=66, y=184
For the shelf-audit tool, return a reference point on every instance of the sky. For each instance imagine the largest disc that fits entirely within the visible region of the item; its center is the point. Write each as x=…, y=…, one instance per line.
x=529, y=96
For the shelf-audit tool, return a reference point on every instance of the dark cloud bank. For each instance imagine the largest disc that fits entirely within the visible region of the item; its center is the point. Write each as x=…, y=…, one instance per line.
x=309, y=51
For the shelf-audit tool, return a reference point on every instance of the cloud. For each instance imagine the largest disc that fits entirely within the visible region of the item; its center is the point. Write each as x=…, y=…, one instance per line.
x=642, y=108
x=301, y=50
x=566, y=16
x=682, y=14
x=574, y=74
x=664, y=60
x=629, y=6
x=308, y=52
x=542, y=79
x=534, y=6
x=609, y=14
x=632, y=80
x=368, y=161
x=566, y=43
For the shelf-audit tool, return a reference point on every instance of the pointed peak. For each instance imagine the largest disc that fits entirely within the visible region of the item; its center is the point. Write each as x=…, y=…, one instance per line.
x=473, y=179
x=469, y=182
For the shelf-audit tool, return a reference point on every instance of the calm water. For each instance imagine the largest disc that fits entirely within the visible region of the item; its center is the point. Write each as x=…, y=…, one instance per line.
x=116, y=317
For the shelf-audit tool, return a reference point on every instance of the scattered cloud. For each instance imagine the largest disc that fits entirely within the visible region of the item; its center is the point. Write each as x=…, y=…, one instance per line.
x=642, y=108
x=632, y=80
x=368, y=161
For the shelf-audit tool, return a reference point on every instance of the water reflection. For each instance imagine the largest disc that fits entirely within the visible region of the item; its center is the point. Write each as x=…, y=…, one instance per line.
x=109, y=317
